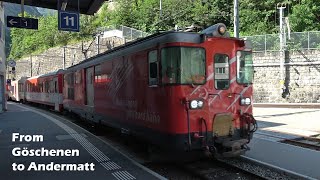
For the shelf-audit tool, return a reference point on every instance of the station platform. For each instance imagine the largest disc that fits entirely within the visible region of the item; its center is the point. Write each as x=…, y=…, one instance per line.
x=62, y=151
x=277, y=124
x=291, y=121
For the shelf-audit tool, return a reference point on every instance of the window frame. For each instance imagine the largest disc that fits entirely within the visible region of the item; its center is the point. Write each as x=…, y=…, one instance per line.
x=175, y=84
x=214, y=71
x=238, y=67
x=69, y=77
x=156, y=79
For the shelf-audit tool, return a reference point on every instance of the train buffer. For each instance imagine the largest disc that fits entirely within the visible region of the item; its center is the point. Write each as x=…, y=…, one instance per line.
x=38, y=145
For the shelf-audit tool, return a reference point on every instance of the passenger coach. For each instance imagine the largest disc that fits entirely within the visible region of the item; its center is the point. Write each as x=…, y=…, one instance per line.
x=45, y=89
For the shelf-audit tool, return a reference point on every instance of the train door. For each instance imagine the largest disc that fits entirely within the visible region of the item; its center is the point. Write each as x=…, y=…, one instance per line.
x=222, y=101
x=57, y=97
x=89, y=87
x=2, y=94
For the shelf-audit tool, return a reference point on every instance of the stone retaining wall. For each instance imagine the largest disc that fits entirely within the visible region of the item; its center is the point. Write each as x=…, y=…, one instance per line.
x=52, y=59
x=301, y=78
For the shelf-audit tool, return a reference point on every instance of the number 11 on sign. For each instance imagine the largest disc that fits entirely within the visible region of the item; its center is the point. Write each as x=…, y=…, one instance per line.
x=67, y=19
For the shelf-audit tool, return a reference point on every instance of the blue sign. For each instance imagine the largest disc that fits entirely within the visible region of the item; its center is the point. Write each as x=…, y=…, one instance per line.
x=68, y=21
x=19, y=22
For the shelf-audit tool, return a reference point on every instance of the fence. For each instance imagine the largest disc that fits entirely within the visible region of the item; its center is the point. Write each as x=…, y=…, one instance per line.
x=63, y=57
x=298, y=40
x=128, y=33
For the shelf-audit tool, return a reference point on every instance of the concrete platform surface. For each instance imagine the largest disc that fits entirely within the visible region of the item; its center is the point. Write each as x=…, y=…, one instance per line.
x=301, y=161
x=59, y=133
x=301, y=122
x=277, y=124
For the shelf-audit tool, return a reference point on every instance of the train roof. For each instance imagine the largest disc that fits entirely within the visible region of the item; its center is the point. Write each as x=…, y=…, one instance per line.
x=48, y=74
x=139, y=45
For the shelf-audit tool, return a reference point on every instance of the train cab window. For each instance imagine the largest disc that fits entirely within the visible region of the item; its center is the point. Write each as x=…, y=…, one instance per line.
x=153, y=67
x=245, y=69
x=221, y=71
x=183, y=65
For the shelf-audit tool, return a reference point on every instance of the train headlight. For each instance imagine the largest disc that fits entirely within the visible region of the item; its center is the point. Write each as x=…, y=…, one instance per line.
x=196, y=104
x=200, y=104
x=245, y=101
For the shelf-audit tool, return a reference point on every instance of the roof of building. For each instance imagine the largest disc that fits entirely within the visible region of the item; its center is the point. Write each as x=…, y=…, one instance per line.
x=88, y=7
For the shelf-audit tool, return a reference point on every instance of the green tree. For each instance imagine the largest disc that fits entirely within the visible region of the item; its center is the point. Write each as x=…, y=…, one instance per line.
x=305, y=16
x=25, y=41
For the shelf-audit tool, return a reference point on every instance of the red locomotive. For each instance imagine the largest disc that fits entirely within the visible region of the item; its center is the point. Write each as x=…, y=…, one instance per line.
x=178, y=90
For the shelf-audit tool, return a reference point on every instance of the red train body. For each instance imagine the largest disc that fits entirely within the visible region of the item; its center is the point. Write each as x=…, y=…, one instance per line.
x=45, y=89
x=182, y=91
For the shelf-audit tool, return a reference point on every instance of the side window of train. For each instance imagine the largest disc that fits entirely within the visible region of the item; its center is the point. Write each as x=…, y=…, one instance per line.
x=70, y=79
x=153, y=68
x=97, y=74
x=77, y=77
x=55, y=87
x=47, y=87
x=221, y=71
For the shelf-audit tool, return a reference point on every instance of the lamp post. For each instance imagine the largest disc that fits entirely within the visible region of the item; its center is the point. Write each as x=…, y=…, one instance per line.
x=160, y=8
x=236, y=18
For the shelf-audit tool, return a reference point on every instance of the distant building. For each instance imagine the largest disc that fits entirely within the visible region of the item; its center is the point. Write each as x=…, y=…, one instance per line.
x=2, y=60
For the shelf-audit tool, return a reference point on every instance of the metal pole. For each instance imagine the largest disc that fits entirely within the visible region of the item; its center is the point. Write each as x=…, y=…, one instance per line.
x=30, y=65
x=308, y=40
x=236, y=18
x=160, y=9
x=282, y=43
x=22, y=8
x=265, y=43
x=98, y=44
x=64, y=58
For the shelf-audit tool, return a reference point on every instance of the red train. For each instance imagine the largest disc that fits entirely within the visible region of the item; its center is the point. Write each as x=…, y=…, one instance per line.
x=178, y=90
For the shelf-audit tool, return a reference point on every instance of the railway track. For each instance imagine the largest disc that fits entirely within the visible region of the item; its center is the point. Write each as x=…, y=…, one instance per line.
x=218, y=169
x=199, y=169
x=306, y=142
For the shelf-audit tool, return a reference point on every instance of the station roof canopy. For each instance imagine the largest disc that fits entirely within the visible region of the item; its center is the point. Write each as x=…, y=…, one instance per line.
x=88, y=7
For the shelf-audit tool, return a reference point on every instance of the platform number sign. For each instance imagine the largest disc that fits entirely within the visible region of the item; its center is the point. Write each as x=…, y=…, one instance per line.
x=68, y=21
x=20, y=22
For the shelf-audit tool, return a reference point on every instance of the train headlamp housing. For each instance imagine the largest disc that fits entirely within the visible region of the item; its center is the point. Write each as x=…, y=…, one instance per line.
x=217, y=30
x=245, y=101
x=196, y=104
x=222, y=29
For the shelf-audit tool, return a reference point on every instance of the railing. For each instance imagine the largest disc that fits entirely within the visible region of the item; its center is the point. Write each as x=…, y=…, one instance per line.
x=298, y=40
x=128, y=33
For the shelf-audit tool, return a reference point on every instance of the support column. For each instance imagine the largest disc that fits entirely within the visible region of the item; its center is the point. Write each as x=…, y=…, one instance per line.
x=236, y=18
x=282, y=37
x=64, y=58
x=30, y=65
